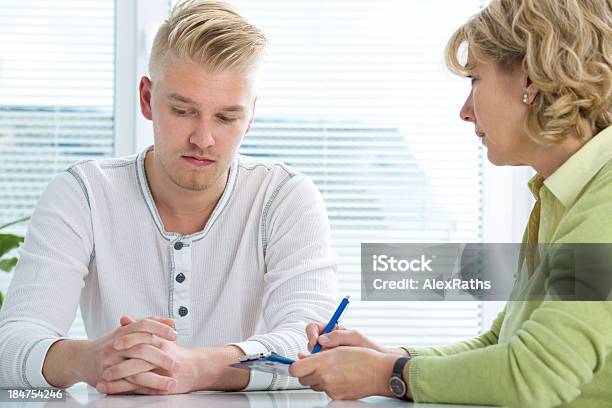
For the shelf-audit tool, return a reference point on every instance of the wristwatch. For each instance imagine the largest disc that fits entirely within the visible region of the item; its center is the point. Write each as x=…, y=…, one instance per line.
x=397, y=385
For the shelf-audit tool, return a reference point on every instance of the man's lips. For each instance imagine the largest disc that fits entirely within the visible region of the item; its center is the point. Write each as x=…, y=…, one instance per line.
x=198, y=161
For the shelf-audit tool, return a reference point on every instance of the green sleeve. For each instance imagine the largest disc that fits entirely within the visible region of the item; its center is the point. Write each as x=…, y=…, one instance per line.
x=488, y=338
x=553, y=354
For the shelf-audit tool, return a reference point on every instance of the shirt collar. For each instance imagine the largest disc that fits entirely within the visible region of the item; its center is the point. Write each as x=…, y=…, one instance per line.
x=535, y=184
x=148, y=197
x=569, y=180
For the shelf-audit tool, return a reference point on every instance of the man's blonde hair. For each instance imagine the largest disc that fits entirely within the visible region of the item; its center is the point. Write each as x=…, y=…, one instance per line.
x=212, y=33
x=567, y=47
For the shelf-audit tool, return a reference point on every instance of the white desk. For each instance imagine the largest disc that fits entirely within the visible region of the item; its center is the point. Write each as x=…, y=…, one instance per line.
x=82, y=395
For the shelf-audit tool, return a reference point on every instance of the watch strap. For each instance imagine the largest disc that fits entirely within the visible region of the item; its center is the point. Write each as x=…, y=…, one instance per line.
x=398, y=367
x=398, y=372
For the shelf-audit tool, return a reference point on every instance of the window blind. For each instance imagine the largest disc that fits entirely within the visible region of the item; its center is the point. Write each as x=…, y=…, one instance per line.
x=356, y=95
x=56, y=97
x=353, y=95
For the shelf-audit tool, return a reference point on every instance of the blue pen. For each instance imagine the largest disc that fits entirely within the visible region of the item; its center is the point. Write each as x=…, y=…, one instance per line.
x=332, y=323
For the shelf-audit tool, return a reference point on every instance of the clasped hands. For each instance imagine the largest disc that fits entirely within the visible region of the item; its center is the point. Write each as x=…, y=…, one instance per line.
x=141, y=357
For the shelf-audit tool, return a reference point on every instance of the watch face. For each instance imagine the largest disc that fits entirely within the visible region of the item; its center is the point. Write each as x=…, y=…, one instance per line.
x=397, y=387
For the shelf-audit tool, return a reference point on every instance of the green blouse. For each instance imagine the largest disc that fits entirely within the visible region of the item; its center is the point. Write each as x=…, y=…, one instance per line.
x=539, y=353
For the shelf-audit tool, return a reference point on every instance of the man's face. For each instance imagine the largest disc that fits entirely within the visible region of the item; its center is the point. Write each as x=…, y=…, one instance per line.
x=199, y=119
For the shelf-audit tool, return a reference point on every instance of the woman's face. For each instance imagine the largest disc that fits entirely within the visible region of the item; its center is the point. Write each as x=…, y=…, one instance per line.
x=495, y=106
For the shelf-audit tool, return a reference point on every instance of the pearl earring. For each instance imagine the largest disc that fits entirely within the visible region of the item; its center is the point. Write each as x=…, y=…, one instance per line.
x=526, y=98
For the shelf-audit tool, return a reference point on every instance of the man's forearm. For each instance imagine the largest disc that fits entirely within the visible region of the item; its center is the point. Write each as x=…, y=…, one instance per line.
x=214, y=372
x=61, y=366
x=64, y=365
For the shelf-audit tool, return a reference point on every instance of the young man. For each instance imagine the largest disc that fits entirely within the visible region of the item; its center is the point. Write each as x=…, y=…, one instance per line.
x=232, y=252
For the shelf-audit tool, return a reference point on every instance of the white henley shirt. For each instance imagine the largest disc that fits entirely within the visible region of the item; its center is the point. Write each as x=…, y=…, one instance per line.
x=259, y=271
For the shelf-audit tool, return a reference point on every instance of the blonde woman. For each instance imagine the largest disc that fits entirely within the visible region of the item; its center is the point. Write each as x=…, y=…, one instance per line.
x=541, y=73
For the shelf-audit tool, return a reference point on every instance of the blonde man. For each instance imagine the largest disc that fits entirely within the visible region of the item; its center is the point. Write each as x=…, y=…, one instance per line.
x=228, y=255
x=541, y=73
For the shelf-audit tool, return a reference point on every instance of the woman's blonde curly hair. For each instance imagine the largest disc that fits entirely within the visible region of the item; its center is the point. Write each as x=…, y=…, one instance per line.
x=567, y=47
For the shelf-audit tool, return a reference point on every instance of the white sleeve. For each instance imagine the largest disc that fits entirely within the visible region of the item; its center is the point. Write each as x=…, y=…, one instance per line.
x=300, y=279
x=258, y=380
x=44, y=293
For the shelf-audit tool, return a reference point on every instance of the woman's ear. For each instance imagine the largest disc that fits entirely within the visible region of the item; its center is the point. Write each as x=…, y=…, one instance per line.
x=528, y=85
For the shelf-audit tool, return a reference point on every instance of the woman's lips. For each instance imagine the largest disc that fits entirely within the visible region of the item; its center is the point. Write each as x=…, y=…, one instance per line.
x=481, y=136
x=198, y=162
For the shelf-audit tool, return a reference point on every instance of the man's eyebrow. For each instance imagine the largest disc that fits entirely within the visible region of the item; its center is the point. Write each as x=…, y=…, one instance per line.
x=233, y=108
x=181, y=98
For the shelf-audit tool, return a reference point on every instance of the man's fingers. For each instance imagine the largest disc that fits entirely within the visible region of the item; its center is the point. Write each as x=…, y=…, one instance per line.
x=148, y=326
x=127, y=368
x=153, y=355
x=149, y=391
x=125, y=320
x=115, y=387
x=153, y=380
x=125, y=387
x=132, y=339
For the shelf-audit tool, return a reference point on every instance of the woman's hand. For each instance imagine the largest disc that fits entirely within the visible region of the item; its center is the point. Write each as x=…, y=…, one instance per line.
x=346, y=372
x=341, y=336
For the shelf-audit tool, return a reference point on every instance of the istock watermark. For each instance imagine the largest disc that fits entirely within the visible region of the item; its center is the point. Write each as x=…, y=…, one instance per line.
x=480, y=271
x=384, y=263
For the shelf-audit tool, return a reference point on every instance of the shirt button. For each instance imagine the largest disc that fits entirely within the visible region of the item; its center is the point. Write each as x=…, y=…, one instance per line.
x=183, y=311
x=178, y=245
x=180, y=278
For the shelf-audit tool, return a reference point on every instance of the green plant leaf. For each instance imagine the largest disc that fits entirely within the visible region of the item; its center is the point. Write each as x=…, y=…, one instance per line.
x=7, y=265
x=1, y=298
x=9, y=242
x=22, y=219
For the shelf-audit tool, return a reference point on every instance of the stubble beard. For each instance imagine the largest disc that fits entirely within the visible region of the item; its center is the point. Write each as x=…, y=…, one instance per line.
x=196, y=180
